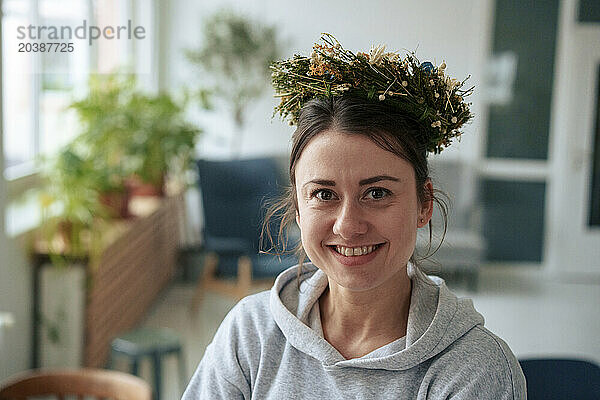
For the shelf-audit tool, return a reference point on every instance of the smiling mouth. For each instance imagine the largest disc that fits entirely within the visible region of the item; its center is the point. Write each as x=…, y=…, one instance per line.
x=355, y=251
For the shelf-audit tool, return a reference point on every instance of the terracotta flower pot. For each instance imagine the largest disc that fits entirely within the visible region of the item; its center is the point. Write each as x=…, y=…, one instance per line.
x=116, y=203
x=137, y=187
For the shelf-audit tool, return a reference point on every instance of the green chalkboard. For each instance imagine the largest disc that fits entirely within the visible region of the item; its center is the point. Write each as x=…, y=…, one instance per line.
x=589, y=11
x=527, y=29
x=513, y=220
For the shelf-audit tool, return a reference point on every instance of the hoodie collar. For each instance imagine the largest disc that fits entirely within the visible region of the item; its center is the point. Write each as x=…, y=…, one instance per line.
x=436, y=319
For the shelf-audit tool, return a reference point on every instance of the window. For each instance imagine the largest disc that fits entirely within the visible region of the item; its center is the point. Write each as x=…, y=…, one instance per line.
x=38, y=86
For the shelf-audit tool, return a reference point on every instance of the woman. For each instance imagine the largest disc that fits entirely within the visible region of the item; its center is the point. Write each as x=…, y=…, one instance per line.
x=361, y=320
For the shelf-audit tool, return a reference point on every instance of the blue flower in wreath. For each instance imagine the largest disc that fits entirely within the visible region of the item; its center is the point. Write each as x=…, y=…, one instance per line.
x=427, y=67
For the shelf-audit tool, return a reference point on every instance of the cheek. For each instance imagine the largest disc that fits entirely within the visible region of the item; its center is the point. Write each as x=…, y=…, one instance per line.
x=314, y=226
x=398, y=223
x=308, y=220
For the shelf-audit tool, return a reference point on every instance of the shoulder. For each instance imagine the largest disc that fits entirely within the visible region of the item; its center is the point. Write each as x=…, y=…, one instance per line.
x=482, y=362
x=233, y=356
x=249, y=318
x=253, y=306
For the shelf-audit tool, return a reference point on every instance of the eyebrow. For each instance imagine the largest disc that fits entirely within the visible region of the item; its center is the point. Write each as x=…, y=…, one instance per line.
x=367, y=181
x=377, y=178
x=322, y=182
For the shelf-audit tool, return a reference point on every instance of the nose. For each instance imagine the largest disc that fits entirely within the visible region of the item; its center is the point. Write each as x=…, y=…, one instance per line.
x=350, y=221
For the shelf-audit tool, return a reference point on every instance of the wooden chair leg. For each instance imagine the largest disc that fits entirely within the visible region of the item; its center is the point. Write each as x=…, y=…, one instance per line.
x=244, y=277
x=211, y=260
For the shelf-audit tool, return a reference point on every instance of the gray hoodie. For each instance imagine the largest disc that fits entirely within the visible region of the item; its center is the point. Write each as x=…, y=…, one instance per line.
x=271, y=346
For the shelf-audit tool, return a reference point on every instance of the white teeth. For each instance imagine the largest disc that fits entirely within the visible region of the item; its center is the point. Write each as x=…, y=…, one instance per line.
x=355, y=251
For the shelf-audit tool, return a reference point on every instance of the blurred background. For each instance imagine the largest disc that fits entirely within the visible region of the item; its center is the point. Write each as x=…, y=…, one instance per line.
x=99, y=146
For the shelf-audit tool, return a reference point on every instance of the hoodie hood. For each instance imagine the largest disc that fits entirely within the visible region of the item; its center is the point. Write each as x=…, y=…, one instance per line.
x=436, y=319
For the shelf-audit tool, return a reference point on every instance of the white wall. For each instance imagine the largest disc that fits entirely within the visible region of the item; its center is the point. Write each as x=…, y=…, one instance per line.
x=456, y=32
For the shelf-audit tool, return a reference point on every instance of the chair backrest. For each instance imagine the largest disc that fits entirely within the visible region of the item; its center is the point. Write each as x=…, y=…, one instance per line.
x=551, y=379
x=96, y=383
x=458, y=181
x=233, y=196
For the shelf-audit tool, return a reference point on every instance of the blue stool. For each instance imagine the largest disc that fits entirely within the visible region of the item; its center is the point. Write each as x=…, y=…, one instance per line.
x=153, y=343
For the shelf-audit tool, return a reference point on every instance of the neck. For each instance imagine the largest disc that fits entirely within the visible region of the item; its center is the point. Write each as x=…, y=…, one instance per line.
x=358, y=322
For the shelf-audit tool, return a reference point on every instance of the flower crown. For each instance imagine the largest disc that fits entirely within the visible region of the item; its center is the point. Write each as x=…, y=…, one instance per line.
x=420, y=90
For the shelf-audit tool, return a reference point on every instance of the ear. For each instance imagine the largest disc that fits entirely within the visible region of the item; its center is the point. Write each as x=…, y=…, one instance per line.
x=426, y=208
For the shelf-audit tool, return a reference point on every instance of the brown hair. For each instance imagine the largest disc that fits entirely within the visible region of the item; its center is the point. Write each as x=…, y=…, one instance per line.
x=386, y=127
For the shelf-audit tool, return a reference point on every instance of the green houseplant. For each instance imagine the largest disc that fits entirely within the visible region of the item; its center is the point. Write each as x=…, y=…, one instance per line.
x=107, y=125
x=67, y=189
x=235, y=54
x=127, y=136
x=161, y=140
x=142, y=136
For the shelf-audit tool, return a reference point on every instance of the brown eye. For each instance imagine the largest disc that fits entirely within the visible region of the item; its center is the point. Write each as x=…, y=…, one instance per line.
x=377, y=193
x=323, y=194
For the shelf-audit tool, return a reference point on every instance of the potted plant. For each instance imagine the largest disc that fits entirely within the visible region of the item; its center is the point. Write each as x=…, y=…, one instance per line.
x=71, y=204
x=106, y=129
x=161, y=141
x=126, y=136
x=236, y=53
x=137, y=135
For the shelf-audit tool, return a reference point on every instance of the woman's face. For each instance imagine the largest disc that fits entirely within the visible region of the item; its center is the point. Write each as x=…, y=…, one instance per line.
x=358, y=210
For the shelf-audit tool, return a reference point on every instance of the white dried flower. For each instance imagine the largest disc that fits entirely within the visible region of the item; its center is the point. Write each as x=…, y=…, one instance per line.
x=441, y=68
x=436, y=124
x=431, y=82
x=392, y=57
x=404, y=83
x=381, y=97
x=345, y=87
x=454, y=120
x=316, y=58
x=376, y=54
x=437, y=95
x=451, y=83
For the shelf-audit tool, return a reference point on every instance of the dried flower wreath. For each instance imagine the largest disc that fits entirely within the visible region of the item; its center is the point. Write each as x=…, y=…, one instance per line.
x=420, y=90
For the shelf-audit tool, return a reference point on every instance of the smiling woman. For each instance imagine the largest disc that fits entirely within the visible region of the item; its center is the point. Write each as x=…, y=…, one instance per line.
x=360, y=320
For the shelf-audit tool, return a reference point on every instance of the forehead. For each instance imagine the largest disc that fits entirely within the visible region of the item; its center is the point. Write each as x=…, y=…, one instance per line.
x=334, y=154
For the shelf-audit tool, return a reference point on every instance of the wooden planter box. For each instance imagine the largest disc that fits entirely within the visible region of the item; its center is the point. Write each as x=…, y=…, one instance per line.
x=132, y=270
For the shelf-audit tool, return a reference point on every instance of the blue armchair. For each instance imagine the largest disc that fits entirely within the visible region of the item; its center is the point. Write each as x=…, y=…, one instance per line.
x=233, y=197
x=553, y=379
